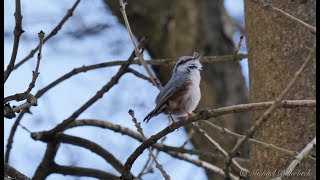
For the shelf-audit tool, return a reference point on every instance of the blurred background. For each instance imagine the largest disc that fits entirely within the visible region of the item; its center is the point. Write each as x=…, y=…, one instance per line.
x=94, y=34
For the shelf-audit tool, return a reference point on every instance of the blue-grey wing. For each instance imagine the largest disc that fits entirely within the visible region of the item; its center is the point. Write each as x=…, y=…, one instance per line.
x=174, y=84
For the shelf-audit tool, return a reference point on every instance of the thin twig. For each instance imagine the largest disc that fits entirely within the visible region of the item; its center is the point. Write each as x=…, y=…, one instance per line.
x=265, y=116
x=260, y=143
x=304, y=153
x=190, y=135
x=145, y=169
x=25, y=128
x=236, y=50
x=114, y=80
x=12, y=133
x=142, y=76
x=17, y=33
x=276, y=10
x=206, y=114
x=35, y=73
x=136, y=50
x=202, y=163
x=217, y=145
x=31, y=100
x=139, y=129
x=51, y=34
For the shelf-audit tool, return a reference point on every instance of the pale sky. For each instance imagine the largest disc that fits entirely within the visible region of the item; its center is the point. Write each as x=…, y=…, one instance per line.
x=60, y=55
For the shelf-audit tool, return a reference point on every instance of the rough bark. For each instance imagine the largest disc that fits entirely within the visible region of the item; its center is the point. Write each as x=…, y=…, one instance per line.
x=11, y=173
x=277, y=48
x=175, y=28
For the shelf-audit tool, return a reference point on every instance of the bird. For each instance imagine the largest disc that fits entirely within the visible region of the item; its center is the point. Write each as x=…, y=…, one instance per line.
x=181, y=95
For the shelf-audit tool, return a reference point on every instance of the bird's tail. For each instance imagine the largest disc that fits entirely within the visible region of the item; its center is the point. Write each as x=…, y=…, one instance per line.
x=150, y=115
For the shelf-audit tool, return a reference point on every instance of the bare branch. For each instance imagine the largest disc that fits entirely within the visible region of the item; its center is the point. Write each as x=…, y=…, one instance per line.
x=9, y=112
x=13, y=173
x=146, y=169
x=45, y=167
x=114, y=80
x=278, y=11
x=51, y=34
x=260, y=143
x=80, y=171
x=201, y=163
x=19, y=97
x=31, y=100
x=35, y=73
x=204, y=115
x=236, y=50
x=133, y=134
x=17, y=33
x=265, y=116
x=10, y=139
x=217, y=145
x=95, y=148
x=136, y=50
x=304, y=153
x=42, y=91
x=190, y=135
x=139, y=129
x=142, y=76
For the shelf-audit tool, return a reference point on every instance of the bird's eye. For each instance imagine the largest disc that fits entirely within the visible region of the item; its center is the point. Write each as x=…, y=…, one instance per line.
x=192, y=67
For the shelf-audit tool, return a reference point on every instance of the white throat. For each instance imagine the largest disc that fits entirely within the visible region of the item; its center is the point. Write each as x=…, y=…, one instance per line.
x=195, y=76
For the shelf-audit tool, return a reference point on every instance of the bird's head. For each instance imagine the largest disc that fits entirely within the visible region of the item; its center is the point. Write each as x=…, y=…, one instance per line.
x=188, y=64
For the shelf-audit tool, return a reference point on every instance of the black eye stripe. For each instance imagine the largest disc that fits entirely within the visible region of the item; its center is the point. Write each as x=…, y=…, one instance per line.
x=182, y=62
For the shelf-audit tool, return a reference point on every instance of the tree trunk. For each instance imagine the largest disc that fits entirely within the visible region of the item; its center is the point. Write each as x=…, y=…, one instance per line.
x=277, y=47
x=175, y=28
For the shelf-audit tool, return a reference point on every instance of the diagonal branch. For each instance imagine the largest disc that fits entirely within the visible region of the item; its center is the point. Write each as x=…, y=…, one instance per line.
x=260, y=143
x=51, y=34
x=136, y=50
x=17, y=33
x=276, y=10
x=139, y=129
x=114, y=80
x=304, y=153
x=201, y=163
x=206, y=114
x=13, y=173
x=139, y=75
x=224, y=152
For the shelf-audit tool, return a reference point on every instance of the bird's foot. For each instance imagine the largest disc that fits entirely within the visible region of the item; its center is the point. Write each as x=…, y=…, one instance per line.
x=190, y=114
x=171, y=119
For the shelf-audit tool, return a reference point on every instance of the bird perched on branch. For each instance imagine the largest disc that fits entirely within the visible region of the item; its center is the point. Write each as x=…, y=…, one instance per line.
x=181, y=95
